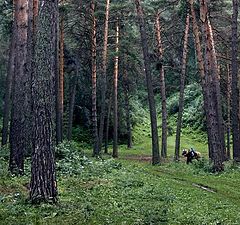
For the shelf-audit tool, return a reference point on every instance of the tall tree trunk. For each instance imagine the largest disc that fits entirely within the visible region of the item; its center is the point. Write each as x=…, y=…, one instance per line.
x=61, y=77
x=73, y=87
x=229, y=81
x=162, y=86
x=214, y=89
x=9, y=80
x=57, y=86
x=107, y=123
x=94, y=80
x=43, y=185
x=153, y=114
x=115, y=95
x=18, y=137
x=104, y=75
x=202, y=71
x=29, y=72
x=235, y=90
x=211, y=92
x=127, y=107
x=182, y=86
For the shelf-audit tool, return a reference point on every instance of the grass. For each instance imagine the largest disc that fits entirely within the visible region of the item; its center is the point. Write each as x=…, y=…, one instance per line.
x=124, y=191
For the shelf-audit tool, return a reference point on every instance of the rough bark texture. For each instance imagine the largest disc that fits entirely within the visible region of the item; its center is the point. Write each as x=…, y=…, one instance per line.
x=43, y=185
x=235, y=90
x=58, y=133
x=18, y=137
x=216, y=90
x=9, y=80
x=61, y=77
x=115, y=95
x=29, y=71
x=94, y=80
x=162, y=86
x=182, y=86
x=217, y=127
x=104, y=75
x=152, y=107
x=210, y=87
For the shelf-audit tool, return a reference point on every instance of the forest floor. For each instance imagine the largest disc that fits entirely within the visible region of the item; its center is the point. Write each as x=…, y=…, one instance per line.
x=128, y=190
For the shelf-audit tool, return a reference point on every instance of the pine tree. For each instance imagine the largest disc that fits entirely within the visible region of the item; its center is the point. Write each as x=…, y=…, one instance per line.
x=152, y=107
x=43, y=185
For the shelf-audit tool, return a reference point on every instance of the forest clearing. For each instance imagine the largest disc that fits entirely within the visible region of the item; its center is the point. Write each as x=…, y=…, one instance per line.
x=119, y=112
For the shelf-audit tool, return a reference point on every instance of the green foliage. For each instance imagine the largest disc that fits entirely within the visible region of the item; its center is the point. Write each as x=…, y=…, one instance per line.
x=193, y=115
x=4, y=152
x=81, y=134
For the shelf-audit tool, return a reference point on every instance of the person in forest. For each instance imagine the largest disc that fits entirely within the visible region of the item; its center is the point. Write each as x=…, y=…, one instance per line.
x=191, y=154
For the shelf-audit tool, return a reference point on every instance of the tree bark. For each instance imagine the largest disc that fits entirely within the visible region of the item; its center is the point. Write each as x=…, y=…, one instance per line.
x=61, y=77
x=43, y=187
x=18, y=129
x=115, y=95
x=9, y=80
x=182, y=86
x=107, y=123
x=211, y=90
x=235, y=90
x=104, y=75
x=57, y=85
x=229, y=81
x=162, y=86
x=73, y=87
x=153, y=114
x=94, y=81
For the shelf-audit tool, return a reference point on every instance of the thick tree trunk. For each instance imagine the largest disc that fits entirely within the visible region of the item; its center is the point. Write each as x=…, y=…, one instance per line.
x=201, y=65
x=104, y=75
x=115, y=95
x=9, y=80
x=94, y=81
x=210, y=87
x=43, y=185
x=153, y=114
x=162, y=86
x=235, y=90
x=217, y=91
x=182, y=86
x=18, y=129
x=61, y=76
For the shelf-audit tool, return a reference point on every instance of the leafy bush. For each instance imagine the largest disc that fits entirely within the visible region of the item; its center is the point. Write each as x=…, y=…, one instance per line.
x=4, y=152
x=193, y=114
x=203, y=165
x=82, y=134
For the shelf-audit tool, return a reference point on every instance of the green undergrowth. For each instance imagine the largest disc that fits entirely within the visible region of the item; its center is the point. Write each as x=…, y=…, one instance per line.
x=108, y=191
